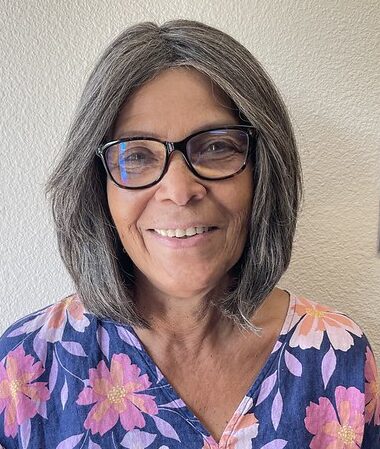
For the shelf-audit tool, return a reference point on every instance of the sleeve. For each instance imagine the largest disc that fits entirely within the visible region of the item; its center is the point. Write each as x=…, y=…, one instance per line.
x=371, y=437
x=8, y=387
x=22, y=387
x=30, y=373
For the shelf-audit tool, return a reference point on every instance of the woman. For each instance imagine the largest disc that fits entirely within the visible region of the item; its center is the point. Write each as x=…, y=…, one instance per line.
x=175, y=203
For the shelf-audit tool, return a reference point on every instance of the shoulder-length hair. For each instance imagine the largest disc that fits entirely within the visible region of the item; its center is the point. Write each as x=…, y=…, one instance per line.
x=88, y=242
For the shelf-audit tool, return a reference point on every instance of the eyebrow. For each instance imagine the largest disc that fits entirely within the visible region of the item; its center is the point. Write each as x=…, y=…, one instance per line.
x=132, y=133
x=135, y=133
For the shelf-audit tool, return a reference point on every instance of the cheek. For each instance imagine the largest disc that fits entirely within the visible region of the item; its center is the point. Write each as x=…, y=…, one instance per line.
x=240, y=197
x=240, y=209
x=125, y=208
x=238, y=227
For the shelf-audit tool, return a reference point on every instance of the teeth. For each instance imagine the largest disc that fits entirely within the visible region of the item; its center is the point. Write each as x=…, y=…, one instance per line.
x=192, y=231
x=182, y=232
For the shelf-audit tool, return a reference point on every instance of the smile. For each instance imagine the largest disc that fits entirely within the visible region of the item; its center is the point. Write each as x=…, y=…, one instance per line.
x=183, y=233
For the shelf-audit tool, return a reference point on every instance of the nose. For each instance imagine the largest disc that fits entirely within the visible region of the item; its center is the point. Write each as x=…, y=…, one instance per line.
x=179, y=184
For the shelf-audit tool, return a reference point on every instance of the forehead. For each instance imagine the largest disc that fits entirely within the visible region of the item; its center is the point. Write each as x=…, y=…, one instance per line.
x=177, y=101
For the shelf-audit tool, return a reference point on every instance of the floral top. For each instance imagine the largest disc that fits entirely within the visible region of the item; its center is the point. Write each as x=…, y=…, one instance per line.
x=71, y=380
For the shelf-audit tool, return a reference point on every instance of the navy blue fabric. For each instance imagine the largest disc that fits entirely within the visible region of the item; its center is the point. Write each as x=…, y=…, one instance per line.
x=69, y=380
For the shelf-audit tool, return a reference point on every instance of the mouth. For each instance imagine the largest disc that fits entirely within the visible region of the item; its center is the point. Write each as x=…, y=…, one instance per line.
x=184, y=233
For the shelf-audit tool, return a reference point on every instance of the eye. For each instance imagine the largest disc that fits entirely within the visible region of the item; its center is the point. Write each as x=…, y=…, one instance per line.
x=219, y=149
x=136, y=156
x=220, y=145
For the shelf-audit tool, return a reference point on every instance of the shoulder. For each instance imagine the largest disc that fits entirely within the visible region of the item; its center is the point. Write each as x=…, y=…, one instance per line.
x=49, y=324
x=312, y=324
x=338, y=367
x=27, y=358
x=328, y=341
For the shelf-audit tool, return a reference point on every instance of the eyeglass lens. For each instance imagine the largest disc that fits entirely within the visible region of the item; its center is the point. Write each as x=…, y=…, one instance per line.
x=212, y=154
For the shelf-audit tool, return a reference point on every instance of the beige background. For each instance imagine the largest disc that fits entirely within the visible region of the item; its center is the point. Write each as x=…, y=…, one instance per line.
x=324, y=56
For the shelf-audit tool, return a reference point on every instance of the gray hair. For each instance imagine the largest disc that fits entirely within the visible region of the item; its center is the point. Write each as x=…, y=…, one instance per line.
x=87, y=238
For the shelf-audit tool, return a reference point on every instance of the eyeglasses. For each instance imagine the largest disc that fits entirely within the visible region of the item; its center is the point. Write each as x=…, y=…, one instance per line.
x=139, y=162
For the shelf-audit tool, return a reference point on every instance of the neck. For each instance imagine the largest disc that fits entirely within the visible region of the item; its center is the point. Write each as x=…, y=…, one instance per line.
x=186, y=322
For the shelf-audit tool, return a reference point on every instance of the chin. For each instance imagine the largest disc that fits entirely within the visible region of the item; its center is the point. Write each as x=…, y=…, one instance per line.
x=191, y=288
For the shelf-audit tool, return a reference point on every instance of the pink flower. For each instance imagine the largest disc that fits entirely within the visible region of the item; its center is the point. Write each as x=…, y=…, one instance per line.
x=115, y=393
x=314, y=320
x=372, y=389
x=20, y=397
x=342, y=430
x=242, y=435
x=53, y=319
x=240, y=430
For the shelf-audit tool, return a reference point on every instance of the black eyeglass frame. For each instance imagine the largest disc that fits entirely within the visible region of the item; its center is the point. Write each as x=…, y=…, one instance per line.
x=181, y=147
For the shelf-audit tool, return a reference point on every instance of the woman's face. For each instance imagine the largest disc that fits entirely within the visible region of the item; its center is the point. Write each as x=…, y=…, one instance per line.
x=177, y=103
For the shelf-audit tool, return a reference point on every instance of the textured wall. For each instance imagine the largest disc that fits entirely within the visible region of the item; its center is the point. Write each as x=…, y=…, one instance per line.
x=324, y=57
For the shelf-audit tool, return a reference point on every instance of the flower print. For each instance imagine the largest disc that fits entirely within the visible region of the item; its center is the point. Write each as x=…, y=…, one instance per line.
x=242, y=427
x=53, y=319
x=243, y=433
x=238, y=435
x=372, y=389
x=209, y=443
x=116, y=394
x=19, y=397
x=341, y=430
x=313, y=320
x=137, y=439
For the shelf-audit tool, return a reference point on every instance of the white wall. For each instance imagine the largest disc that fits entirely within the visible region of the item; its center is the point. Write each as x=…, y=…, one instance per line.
x=324, y=57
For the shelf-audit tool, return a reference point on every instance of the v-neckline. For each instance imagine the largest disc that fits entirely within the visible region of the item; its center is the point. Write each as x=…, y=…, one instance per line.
x=186, y=411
